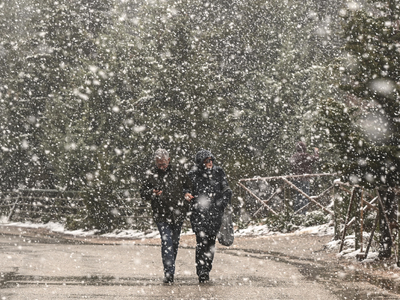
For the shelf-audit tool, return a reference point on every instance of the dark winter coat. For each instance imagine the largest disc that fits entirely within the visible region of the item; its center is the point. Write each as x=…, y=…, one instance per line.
x=301, y=162
x=170, y=206
x=211, y=195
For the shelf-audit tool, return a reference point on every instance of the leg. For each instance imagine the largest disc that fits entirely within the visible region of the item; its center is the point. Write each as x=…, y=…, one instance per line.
x=300, y=200
x=167, y=251
x=205, y=250
x=176, y=234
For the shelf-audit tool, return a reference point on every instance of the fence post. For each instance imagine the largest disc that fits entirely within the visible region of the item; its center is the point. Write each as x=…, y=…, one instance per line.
x=357, y=216
x=13, y=207
x=361, y=219
x=371, y=236
x=336, y=215
x=285, y=198
x=347, y=218
x=388, y=224
x=398, y=232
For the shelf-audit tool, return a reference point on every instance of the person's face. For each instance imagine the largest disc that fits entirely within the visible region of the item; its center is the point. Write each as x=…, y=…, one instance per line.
x=208, y=163
x=162, y=164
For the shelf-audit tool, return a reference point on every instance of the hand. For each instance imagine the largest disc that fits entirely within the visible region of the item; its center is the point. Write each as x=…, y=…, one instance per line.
x=157, y=192
x=188, y=197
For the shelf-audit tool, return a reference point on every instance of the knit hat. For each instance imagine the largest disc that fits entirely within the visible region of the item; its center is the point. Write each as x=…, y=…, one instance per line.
x=201, y=155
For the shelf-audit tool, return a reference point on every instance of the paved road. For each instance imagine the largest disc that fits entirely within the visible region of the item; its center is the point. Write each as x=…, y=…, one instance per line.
x=36, y=264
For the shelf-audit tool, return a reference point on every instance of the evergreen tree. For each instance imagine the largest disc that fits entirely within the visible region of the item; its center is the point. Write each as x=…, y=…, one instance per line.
x=37, y=68
x=58, y=132
x=239, y=79
x=44, y=56
x=364, y=129
x=90, y=134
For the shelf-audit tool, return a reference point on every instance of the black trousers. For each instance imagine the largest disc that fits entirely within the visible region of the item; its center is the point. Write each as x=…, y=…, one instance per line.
x=205, y=249
x=170, y=235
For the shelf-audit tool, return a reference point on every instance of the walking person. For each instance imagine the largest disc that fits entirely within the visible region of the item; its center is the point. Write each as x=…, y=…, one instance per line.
x=302, y=163
x=163, y=187
x=208, y=194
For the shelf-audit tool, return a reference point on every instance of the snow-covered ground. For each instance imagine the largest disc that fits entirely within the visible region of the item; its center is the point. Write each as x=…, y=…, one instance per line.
x=251, y=230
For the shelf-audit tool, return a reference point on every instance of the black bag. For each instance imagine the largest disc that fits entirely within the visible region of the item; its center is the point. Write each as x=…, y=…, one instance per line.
x=225, y=235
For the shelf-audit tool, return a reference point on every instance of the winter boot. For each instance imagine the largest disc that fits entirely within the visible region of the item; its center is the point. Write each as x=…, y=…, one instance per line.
x=204, y=277
x=168, y=278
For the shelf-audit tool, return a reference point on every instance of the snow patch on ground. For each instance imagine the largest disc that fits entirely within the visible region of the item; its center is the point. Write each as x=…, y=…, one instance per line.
x=252, y=230
x=58, y=227
x=3, y=220
x=349, y=246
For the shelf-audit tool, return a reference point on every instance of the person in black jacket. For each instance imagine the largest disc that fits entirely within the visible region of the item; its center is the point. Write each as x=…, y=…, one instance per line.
x=163, y=187
x=208, y=194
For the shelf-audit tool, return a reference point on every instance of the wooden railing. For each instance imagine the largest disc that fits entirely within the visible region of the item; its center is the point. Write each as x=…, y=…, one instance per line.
x=54, y=205
x=356, y=203
x=280, y=184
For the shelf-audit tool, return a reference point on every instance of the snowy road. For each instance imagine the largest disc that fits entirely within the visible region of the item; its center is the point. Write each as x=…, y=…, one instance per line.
x=38, y=265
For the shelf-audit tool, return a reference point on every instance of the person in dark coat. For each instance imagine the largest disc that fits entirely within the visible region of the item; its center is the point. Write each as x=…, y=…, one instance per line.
x=302, y=163
x=163, y=187
x=208, y=194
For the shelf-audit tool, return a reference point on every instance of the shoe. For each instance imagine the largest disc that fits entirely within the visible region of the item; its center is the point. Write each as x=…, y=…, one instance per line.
x=204, y=277
x=168, y=278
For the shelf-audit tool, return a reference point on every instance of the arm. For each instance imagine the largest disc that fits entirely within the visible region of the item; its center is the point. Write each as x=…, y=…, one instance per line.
x=148, y=191
x=187, y=187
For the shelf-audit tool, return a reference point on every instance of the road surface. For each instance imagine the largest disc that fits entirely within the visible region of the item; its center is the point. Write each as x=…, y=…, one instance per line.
x=37, y=264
